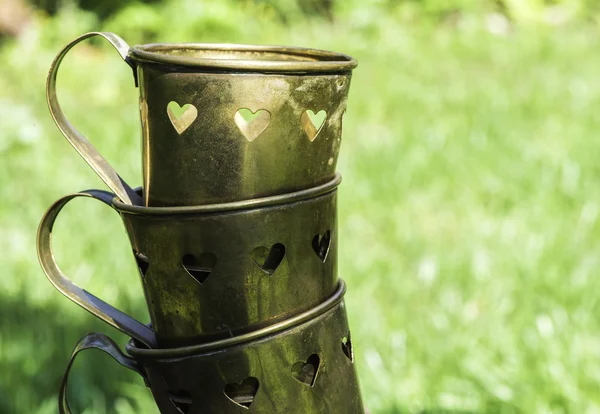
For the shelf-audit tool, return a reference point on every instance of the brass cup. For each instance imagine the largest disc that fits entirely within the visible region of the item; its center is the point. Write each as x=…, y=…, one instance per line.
x=223, y=123
x=217, y=271
x=300, y=366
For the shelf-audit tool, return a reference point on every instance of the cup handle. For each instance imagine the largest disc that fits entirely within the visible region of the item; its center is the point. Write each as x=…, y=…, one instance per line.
x=86, y=300
x=99, y=341
x=104, y=170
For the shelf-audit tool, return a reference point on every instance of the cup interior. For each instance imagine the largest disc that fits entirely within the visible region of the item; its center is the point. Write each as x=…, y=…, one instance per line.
x=273, y=56
x=245, y=57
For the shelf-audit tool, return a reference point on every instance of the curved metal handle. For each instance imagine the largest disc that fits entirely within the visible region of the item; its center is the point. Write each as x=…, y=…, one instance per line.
x=99, y=341
x=104, y=170
x=86, y=300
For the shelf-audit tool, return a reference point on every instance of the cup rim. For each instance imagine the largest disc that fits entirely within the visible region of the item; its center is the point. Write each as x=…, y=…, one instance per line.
x=300, y=60
x=325, y=188
x=306, y=317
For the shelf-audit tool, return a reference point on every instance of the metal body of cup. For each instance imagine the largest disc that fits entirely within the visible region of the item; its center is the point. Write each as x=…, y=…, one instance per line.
x=307, y=369
x=218, y=275
x=218, y=157
x=217, y=271
x=224, y=123
x=301, y=365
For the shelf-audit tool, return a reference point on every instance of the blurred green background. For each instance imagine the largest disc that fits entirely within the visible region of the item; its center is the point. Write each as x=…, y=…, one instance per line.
x=468, y=213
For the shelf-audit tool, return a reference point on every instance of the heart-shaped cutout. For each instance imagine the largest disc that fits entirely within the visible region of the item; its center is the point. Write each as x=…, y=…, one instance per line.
x=312, y=123
x=306, y=372
x=321, y=244
x=268, y=260
x=252, y=124
x=347, y=347
x=182, y=400
x=181, y=116
x=243, y=393
x=142, y=262
x=199, y=267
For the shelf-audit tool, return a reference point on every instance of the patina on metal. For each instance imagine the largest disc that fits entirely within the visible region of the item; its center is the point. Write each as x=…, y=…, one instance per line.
x=302, y=367
x=217, y=271
x=223, y=122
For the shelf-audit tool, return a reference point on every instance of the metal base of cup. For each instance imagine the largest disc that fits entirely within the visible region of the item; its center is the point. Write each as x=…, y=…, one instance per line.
x=306, y=369
x=302, y=365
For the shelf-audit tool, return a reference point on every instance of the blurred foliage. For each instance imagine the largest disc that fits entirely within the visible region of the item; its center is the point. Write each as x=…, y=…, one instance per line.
x=469, y=213
x=284, y=9
x=521, y=11
x=102, y=9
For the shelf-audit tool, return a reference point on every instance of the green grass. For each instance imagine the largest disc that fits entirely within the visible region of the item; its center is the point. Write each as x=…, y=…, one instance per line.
x=468, y=212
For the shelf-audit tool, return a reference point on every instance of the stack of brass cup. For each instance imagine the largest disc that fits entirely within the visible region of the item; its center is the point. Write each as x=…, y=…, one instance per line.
x=234, y=230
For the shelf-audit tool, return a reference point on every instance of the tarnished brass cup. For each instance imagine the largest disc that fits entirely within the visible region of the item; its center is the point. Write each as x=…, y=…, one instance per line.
x=299, y=366
x=217, y=271
x=223, y=122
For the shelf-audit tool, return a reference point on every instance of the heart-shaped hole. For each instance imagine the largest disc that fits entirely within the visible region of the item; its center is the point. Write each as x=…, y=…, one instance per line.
x=312, y=123
x=142, y=262
x=268, y=260
x=243, y=393
x=181, y=116
x=306, y=372
x=347, y=347
x=182, y=400
x=252, y=124
x=199, y=267
x=320, y=245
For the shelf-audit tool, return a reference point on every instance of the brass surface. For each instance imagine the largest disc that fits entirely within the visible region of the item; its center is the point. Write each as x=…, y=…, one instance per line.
x=303, y=370
x=184, y=351
x=215, y=272
x=252, y=58
x=301, y=367
x=210, y=153
x=82, y=297
x=104, y=170
x=234, y=205
x=219, y=158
